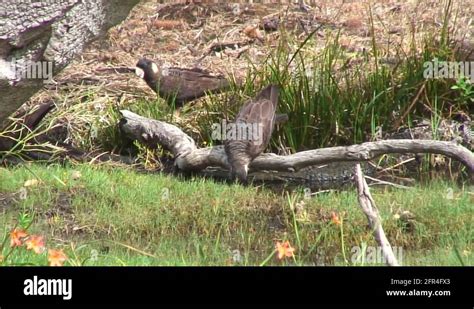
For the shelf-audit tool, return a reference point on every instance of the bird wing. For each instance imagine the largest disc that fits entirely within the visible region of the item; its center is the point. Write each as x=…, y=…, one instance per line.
x=197, y=75
x=190, y=84
x=260, y=112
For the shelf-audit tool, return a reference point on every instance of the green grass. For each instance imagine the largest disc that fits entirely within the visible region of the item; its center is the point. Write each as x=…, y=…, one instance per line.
x=113, y=216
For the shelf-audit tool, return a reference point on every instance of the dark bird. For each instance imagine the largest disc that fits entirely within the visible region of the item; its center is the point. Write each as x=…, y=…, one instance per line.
x=258, y=112
x=182, y=84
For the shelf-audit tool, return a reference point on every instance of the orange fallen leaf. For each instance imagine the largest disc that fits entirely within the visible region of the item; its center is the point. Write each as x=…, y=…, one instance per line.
x=35, y=243
x=284, y=250
x=253, y=33
x=335, y=218
x=15, y=237
x=353, y=23
x=56, y=257
x=168, y=24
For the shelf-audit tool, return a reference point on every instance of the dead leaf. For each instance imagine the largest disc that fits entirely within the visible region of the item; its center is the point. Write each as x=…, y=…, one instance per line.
x=253, y=33
x=76, y=175
x=352, y=23
x=31, y=183
x=22, y=193
x=167, y=24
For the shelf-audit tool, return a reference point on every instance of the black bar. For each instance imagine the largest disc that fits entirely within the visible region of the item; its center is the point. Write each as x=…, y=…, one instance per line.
x=206, y=285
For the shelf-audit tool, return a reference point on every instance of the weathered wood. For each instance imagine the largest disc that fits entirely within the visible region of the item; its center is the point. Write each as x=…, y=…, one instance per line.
x=367, y=204
x=364, y=152
x=188, y=157
x=153, y=132
x=53, y=32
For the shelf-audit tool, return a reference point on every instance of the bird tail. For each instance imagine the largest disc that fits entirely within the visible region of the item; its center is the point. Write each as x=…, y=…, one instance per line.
x=271, y=92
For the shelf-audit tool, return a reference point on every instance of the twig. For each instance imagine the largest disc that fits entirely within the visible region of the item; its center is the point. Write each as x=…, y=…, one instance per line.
x=117, y=69
x=367, y=204
x=410, y=107
x=323, y=191
x=383, y=182
x=396, y=165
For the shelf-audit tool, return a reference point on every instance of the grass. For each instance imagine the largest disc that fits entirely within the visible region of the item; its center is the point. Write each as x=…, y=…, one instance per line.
x=117, y=217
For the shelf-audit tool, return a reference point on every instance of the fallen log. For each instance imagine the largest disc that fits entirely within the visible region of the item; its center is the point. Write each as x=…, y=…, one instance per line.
x=188, y=157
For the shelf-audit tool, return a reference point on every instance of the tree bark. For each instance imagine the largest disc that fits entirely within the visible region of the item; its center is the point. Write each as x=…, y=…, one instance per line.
x=52, y=31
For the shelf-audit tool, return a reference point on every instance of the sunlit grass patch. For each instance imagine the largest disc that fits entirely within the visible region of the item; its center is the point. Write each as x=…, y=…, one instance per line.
x=127, y=218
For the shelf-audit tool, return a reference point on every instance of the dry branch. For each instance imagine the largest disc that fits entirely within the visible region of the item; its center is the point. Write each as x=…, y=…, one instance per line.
x=367, y=204
x=188, y=157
